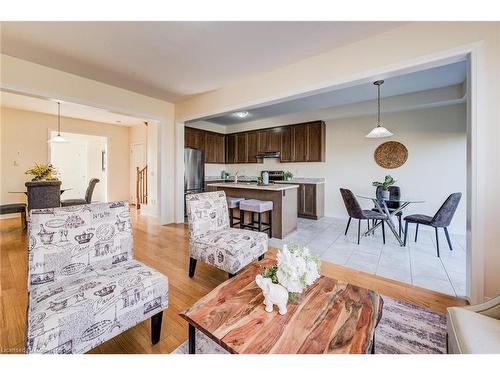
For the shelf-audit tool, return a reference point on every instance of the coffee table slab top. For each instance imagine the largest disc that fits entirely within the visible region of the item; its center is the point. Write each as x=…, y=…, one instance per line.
x=329, y=317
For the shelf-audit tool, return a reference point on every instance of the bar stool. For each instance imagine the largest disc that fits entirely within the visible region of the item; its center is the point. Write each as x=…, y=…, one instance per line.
x=257, y=207
x=232, y=203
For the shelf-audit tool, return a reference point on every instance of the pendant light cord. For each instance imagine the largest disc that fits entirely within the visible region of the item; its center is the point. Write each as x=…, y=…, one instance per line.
x=59, y=118
x=378, y=102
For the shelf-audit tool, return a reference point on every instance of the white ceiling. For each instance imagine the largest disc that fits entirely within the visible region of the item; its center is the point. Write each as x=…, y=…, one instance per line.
x=173, y=60
x=29, y=103
x=443, y=76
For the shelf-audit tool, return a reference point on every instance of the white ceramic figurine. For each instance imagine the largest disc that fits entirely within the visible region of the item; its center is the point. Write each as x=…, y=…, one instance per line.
x=274, y=294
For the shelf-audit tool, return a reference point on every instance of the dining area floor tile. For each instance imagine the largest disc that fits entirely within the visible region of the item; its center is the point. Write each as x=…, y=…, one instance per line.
x=416, y=263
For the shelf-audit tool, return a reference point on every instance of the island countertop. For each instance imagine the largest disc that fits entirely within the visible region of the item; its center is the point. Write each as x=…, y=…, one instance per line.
x=303, y=180
x=253, y=186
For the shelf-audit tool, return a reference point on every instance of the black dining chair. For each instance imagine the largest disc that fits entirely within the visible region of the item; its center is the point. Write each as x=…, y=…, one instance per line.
x=355, y=211
x=43, y=194
x=394, y=193
x=441, y=219
x=88, y=195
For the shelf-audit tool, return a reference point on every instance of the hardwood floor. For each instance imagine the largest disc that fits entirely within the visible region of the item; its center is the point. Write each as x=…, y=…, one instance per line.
x=166, y=249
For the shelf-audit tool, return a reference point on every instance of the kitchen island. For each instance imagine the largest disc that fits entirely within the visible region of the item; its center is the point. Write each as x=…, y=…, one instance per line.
x=284, y=198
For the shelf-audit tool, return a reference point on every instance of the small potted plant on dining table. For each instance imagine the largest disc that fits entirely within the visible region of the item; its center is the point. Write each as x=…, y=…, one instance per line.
x=388, y=181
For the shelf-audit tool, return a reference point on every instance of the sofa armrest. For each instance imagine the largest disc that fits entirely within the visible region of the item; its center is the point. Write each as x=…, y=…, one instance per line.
x=489, y=308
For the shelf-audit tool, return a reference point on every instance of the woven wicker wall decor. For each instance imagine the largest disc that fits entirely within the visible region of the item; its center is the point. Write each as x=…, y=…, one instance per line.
x=391, y=155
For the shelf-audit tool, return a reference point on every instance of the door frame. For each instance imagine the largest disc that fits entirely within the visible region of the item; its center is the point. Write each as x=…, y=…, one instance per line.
x=106, y=172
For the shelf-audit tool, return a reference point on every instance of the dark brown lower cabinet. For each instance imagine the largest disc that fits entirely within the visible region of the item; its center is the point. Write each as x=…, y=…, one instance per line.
x=311, y=201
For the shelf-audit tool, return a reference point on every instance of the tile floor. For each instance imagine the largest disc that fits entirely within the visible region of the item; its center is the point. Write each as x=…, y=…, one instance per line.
x=415, y=264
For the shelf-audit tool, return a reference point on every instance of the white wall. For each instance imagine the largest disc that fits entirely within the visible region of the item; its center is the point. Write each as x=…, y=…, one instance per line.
x=436, y=165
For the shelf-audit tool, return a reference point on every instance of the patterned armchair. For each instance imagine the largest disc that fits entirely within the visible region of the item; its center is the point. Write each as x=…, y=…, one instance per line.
x=84, y=285
x=213, y=241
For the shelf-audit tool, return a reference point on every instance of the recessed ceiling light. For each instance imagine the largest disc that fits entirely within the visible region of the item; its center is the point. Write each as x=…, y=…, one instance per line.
x=242, y=114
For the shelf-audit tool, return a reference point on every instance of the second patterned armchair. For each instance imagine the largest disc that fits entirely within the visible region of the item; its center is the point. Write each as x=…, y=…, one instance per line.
x=213, y=241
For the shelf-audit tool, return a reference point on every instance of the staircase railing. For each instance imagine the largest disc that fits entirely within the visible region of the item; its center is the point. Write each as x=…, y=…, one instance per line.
x=142, y=186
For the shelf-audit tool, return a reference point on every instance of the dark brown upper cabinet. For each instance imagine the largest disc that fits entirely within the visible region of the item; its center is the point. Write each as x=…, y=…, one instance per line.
x=270, y=140
x=194, y=138
x=287, y=145
x=253, y=146
x=316, y=140
x=303, y=142
x=296, y=143
x=231, y=148
x=212, y=144
x=214, y=148
x=241, y=148
x=300, y=143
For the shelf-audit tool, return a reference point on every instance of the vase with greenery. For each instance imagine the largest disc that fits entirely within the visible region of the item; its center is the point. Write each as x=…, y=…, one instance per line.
x=288, y=176
x=42, y=172
x=388, y=181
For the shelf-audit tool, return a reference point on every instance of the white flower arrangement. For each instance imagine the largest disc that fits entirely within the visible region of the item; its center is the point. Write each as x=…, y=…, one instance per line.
x=296, y=268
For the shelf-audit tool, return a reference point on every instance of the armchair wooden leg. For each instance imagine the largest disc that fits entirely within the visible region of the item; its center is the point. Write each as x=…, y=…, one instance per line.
x=448, y=237
x=230, y=275
x=261, y=257
x=347, y=228
x=399, y=221
x=192, y=266
x=416, y=233
x=156, y=327
x=406, y=232
x=437, y=241
x=383, y=231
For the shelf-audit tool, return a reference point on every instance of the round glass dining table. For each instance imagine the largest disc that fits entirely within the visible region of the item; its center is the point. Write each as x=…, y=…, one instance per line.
x=381, y=204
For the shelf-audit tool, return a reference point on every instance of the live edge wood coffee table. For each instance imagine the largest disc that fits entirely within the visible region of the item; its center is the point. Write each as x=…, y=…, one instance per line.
x=329, y=317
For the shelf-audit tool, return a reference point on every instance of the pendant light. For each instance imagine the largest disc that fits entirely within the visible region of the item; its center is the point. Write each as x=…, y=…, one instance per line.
x=379, y=131
x=58, y=138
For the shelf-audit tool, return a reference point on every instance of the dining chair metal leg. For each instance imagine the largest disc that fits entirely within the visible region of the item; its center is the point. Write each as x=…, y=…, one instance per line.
x=399, y=221
x=383, y=231
x=448, y=237
x=406, y=232
x=416, y=233
x=437, y=241
x=359, y=229
x=347, y=228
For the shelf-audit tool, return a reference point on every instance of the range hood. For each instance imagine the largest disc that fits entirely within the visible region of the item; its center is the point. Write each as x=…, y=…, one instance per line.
x=268, y=154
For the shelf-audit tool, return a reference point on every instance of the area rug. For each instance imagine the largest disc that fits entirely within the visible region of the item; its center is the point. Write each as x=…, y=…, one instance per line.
x=404, y=329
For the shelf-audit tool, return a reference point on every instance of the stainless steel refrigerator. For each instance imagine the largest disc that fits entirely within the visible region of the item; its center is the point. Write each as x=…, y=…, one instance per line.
x=194, y=171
